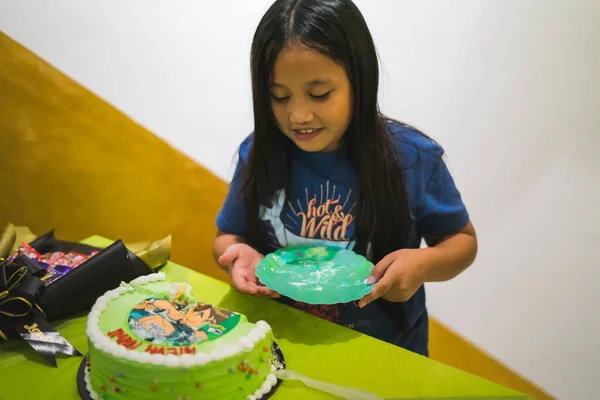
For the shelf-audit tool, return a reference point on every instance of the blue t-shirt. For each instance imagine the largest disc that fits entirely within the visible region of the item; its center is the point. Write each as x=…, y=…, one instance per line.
x=320, y=210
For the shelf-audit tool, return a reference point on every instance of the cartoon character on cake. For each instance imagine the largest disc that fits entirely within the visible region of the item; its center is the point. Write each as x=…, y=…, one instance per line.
x=175, y=323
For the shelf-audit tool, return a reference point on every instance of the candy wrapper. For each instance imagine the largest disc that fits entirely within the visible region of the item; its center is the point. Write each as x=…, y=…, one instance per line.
x=50, y=279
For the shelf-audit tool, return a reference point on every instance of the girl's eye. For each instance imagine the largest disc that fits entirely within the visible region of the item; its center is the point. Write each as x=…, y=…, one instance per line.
x=321, y=97
x=314, y=97
x=279, y=99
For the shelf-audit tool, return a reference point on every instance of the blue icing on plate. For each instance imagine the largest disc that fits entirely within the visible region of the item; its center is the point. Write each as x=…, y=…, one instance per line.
x=316, y=274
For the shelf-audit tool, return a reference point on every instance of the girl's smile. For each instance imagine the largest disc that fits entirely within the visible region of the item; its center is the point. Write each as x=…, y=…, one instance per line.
x=307, y=134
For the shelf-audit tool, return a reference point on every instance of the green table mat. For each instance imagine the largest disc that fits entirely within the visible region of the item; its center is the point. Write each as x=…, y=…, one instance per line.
x=312, y=346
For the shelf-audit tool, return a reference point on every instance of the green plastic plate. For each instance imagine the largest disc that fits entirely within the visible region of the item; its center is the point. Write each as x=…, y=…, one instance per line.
x=316, y=274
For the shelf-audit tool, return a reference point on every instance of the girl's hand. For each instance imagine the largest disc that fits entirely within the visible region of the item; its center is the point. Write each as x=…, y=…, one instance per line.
x=398, y=275
x=241, y=260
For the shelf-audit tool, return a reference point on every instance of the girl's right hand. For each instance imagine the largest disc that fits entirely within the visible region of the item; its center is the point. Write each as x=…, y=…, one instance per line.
x=241, y=260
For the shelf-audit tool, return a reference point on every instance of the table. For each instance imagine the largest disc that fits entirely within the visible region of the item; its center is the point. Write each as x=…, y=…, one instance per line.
x=312, y=346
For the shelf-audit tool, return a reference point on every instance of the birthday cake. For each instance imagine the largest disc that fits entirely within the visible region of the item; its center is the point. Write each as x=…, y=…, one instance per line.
x=149, y=339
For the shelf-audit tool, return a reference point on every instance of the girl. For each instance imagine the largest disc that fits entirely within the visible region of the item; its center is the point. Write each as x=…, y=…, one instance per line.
x=323, y=166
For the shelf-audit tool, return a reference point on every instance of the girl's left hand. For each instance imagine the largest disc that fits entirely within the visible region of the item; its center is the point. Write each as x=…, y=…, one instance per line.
x=398, y=275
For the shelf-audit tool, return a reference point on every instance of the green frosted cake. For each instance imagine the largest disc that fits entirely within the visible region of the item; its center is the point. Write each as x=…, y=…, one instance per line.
x=149, y=339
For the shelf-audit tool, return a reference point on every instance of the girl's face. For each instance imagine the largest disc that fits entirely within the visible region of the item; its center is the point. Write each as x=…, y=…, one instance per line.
x=311, y=99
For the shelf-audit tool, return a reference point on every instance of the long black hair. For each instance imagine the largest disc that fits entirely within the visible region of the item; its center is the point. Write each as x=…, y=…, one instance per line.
x=336, y=29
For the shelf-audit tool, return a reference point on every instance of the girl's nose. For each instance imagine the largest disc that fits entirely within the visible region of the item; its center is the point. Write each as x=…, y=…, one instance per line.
x=300, y=112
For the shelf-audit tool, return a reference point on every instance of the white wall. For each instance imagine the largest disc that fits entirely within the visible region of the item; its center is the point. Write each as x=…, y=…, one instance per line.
x=510, y=88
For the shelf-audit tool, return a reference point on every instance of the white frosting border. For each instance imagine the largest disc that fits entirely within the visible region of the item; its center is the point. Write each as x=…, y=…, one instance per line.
x=88, y=384
x=270, y=381
x=104, y=343
x=266, y=387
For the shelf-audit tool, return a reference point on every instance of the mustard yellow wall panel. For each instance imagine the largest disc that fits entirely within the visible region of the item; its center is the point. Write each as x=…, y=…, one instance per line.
x=451, y=349
x=73, y=162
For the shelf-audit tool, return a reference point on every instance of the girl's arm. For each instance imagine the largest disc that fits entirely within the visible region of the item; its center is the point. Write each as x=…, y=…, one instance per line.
x=449, y=256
